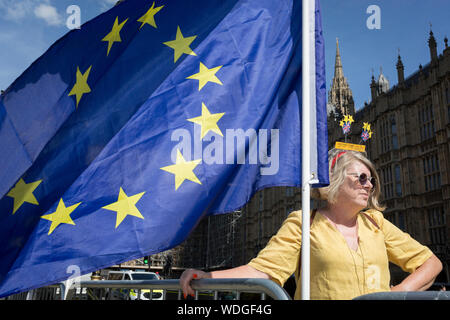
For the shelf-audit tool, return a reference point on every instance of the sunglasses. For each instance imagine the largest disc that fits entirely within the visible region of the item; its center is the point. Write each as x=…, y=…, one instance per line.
x=363, y=178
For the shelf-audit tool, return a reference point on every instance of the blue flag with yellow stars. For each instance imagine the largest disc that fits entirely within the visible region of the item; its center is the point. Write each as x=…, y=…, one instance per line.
x=127, y=132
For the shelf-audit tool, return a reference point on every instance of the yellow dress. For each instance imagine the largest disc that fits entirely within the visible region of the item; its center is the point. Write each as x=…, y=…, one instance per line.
x=337, y=271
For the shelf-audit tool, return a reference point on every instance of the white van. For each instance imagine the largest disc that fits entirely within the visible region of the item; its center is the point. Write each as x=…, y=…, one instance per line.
x=133, y=294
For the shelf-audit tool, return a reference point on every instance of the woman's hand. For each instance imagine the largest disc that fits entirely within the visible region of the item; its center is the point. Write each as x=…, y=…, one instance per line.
x=187, y=276
x=244, y=271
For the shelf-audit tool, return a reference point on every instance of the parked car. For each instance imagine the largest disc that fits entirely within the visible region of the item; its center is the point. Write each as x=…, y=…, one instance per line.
x=126, y=294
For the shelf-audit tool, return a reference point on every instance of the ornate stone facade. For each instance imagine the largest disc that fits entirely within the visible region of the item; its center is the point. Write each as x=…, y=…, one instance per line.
x=340, y=97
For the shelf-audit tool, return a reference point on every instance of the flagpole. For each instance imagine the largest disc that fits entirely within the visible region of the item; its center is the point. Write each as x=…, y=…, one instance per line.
x=306, y=175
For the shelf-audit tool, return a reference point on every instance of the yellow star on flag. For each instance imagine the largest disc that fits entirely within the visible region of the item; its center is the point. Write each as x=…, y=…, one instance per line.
x=366, y=126
x=206, y=75
x=61, y=215
x=114, y=35
x=183, y=170
x=208, y=121
x=181, y=45
x=149, y=17
x=341, y=123
x=125, y=206
x=23, y=192
x=81, y=86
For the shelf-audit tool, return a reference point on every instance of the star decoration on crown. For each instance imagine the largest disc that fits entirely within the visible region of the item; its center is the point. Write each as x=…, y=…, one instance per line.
x=366, y=133
x=346, y=123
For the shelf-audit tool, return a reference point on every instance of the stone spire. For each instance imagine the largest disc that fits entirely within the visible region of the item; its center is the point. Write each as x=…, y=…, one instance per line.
x=383, y=83
x=447, y=48
x=400, y=70
x=373, y=87
x=338, y=72
x=340, y=97
x=433, y=46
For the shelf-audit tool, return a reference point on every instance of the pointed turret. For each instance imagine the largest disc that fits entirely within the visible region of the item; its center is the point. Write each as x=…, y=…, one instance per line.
x=340, y=97
x=338, y=72
x=400, y=70
x=373, y=87
x=383, y=83
x=433, y=46
x=447, y=48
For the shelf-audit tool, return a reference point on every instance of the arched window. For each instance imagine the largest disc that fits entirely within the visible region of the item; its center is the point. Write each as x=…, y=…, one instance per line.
x=398, y=181
x=431, y=172
x=394, y=133
x=437, y=229
x=426, y=121
x=447, y=99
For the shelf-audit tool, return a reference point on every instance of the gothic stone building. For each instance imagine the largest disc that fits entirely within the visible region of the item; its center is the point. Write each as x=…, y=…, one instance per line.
x=230, y=240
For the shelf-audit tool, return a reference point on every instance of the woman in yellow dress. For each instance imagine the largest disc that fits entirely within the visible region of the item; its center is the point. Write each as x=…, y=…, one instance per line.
x=351, y=242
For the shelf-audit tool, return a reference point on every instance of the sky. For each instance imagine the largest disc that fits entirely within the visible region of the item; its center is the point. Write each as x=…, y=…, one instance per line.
x=404, y=25
x=29, y=27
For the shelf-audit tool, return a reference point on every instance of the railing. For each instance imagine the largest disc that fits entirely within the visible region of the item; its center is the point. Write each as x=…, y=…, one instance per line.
x=207, y=289
x=52, y=292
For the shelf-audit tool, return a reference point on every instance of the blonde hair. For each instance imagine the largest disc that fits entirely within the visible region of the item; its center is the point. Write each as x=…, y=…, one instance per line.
x=338, y=161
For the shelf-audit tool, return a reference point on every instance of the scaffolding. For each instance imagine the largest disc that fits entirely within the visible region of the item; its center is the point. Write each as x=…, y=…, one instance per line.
x=229, y=240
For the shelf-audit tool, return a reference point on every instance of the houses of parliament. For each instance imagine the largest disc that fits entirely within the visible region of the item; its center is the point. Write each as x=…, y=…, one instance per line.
x=410, y=148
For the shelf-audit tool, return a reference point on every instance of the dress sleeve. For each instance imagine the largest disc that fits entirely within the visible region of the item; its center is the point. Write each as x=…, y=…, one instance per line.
x=402, y=249
x=280, y=257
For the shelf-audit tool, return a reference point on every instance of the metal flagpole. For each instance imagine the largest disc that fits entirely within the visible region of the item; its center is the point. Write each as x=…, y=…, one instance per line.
x=306, y=175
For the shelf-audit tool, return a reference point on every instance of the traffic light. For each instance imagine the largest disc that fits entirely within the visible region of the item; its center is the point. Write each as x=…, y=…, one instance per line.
x=146, y=260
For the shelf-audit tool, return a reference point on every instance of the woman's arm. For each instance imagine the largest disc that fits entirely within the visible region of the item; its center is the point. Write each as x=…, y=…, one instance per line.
x=244, y=271
x=422, y=278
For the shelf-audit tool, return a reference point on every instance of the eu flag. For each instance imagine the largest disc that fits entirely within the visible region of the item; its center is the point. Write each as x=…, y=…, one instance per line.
x=127, y=132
